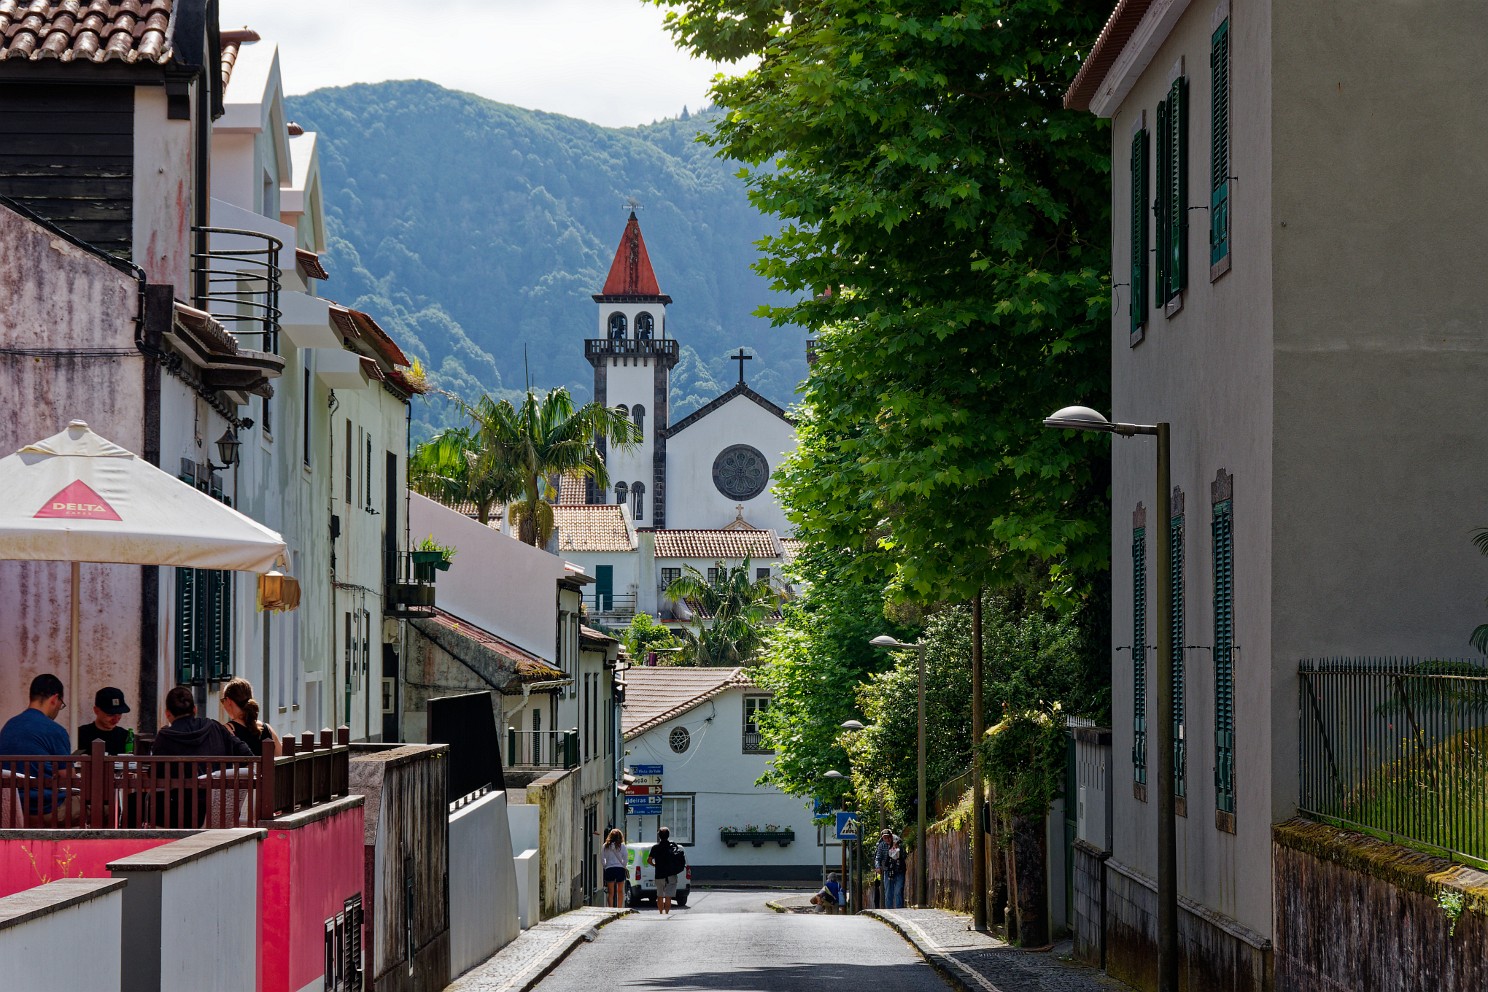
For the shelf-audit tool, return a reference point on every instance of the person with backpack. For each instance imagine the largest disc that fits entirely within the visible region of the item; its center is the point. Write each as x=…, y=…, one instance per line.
x=669, y=860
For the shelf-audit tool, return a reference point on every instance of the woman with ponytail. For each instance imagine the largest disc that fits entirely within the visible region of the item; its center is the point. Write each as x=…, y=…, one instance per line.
x=242, y=716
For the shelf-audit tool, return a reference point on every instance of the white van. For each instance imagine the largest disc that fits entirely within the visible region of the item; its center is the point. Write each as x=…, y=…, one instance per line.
x=640, y=878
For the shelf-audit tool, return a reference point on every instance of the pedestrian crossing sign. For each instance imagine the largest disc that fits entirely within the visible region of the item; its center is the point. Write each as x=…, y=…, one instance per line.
x=847, y=825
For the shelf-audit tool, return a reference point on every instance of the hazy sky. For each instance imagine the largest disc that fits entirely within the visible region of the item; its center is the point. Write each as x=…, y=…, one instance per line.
x=606, y=61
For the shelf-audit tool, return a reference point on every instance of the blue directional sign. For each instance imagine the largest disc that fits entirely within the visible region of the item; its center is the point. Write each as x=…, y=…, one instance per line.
x=645, y=769
x=847, y=825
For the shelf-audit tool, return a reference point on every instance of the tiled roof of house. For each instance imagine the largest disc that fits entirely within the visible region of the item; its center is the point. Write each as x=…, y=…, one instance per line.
x=655, y=695
x=573, y=489
x=717, y=544
x=1119, y=29
x=790, y=547
x=529, y=667
x=592, y=528
x=721, y=400
x=128, y=31
x=232, y=44
x=308, y=262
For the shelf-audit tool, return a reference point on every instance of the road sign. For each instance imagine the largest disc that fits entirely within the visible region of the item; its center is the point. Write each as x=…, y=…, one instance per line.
x=847, y=825
x=645, y=780
x=645, y=770
x=643, y=790
x=822, y=807
x=643, y=805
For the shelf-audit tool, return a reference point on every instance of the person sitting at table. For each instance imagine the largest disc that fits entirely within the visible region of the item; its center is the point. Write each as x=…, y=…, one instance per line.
x=190, y=735
x=35, y=731
x=108, y=707
x=242, y=716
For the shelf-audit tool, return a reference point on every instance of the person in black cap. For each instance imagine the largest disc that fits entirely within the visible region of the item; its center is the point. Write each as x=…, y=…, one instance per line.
x=108, y=707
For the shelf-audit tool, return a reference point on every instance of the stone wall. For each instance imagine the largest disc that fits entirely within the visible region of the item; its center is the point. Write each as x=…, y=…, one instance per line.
x=1089, y=911
x=1353, y=912
x=1216, y=954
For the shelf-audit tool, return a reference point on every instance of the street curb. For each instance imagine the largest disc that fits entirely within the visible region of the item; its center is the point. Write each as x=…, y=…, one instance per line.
x=561, y=949
x=949, y=968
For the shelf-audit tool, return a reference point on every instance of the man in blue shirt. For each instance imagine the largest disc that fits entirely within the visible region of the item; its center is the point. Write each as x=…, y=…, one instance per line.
x=35, y=731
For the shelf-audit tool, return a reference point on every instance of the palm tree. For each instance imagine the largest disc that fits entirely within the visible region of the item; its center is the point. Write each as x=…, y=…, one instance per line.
x=443, y=469
x=739, y=604
x=540, y=441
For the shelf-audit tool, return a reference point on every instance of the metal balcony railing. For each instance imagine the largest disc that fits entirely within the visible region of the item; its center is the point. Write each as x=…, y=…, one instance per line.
x=542, y=748
x=611, y=605
x=408, y=588
x=241, y=275
x=623, y=347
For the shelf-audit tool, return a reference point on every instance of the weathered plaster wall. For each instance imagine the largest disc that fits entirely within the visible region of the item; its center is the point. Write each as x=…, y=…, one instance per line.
x=66, y=352
x=560, y=844
x=483, y=883
x=29, y=858
x=1354, y=913
x=164, y=157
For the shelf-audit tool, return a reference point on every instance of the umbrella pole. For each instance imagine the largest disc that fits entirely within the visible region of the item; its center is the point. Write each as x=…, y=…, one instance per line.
x=72, y=677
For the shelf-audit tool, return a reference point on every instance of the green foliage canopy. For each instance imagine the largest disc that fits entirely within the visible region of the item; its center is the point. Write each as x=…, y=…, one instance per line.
x=925, y=172
x=733, y=610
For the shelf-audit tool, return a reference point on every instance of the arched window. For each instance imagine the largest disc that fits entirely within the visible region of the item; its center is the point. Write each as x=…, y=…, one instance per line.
x=644, y=326
x=638, y=414
x=617, y=326
x=620, y=493
x=622, y=409
x=637, y=501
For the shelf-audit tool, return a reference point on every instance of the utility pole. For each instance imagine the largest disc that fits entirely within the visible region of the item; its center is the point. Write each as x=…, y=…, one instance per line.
x=978, y=791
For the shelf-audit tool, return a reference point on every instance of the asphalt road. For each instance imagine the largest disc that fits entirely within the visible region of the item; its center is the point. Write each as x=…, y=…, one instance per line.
x=728, y=940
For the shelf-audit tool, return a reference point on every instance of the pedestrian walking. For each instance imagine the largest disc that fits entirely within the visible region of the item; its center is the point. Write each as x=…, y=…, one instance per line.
x=894, y=874
x=669, y=860
x=612, y=856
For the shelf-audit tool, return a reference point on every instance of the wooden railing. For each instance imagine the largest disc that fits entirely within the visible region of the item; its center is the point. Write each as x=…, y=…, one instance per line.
x=104, y=792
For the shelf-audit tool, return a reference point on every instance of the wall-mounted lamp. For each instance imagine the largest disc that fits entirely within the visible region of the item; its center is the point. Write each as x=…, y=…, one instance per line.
x=227, y=449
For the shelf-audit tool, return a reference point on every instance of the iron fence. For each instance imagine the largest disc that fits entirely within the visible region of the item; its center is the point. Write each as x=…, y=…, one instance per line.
x=1397, y=747
x=542, y=748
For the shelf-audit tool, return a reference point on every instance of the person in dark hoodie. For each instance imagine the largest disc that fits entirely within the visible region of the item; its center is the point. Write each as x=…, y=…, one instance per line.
x=191, y=735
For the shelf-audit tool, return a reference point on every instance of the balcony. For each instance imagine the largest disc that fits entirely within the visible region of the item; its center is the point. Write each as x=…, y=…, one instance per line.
x=614, y=608
x=96, y=791
x=408, y=586
x=598, y=349
x=557, y=749
x=754, y=743
x=238, y=281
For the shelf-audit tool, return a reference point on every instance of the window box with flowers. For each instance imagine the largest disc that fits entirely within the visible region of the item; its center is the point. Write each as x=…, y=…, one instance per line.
x=757, y=835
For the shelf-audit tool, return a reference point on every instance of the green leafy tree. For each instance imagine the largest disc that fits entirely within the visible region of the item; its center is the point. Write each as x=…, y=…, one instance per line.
x=925, y=171
x=733, y=610
x=644, y=634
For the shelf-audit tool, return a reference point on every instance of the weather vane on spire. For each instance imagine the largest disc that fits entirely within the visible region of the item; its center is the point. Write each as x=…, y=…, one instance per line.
x=632, y=204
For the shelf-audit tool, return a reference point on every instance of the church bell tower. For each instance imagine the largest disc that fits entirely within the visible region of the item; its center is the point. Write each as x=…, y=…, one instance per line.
x=633, y=359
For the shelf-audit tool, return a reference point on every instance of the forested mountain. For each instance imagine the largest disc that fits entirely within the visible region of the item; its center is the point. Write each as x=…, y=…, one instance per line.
x=476, y=233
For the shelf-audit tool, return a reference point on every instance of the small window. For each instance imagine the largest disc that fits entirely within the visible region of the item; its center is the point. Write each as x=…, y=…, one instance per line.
x=638, y=501
x=645, y=326
x=1219, y=150
x=622, y=492
x=670, y=575
x=622, y=409
x=638, y=415
x=677, y=816
x=1172, y=196
x=305, y=419
x=714, y=573
x=762, y=575
x=753, y=707
x=1140, y=192
x=679, y=740
x=1176, y=571
x=617, y=326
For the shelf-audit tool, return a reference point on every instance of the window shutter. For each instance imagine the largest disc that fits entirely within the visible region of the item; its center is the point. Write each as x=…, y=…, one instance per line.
x=1161, y=209
x=1224, y=667
x=1139, y=194
x=1177, y=244
x=1175, y=565
x=1219, y=144
x=1139, y=654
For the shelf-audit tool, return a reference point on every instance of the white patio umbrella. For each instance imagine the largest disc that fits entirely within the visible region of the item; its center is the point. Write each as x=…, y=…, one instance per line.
x=78, y=497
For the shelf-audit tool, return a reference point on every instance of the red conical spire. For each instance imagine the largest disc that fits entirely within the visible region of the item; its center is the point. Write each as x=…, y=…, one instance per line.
x=630, y=272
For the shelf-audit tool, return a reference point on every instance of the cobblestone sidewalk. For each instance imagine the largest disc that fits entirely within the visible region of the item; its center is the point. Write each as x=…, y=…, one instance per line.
x=521, y=964
x=979, y=962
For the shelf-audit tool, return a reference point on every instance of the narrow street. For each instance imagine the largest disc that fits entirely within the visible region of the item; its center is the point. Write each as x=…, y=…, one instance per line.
x=729, y=939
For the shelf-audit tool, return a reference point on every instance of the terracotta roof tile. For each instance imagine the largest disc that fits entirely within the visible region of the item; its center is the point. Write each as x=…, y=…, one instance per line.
x=1108, y=47
x=529, y=667
x=592, y=528
x=308, y=262
x=631, y=273
x=717, y=544
x=655, y=695
x=573, y=489
x=128, y=31
x=232, y=44
x=791, y=547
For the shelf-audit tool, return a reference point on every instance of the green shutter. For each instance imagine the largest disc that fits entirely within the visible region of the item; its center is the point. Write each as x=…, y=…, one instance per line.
x=188, y=658
x=1139, y=654
x=1139, y=193
x=1219, y=144
x=1160, y=206
x=1175, y=566
x=1224, y=667
x=1177, y=196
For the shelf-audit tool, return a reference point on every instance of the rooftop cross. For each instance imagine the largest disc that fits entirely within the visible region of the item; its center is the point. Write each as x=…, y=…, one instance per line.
x=741, y=358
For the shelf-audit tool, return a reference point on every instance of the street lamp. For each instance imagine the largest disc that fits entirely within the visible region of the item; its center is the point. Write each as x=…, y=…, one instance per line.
x=1082, y=418
x=921, y=886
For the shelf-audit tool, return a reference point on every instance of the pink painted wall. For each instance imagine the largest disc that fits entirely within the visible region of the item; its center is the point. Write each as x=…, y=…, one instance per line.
x=29, y=861
x=306, y=874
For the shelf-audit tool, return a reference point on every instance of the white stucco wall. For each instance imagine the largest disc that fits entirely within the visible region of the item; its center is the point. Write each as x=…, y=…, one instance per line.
x=631, y=380
x=483, y=883
x=693, y=501
x=494, y=581
x=720, y=777
x=46, y=951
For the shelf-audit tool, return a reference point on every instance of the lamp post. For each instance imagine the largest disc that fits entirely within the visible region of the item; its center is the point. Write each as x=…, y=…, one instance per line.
x=847, y=866
x=922, y=888
x=1082, y=418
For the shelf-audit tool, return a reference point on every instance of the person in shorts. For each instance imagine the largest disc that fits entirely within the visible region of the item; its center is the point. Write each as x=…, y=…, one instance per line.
x=669, y=860
x=612, y=856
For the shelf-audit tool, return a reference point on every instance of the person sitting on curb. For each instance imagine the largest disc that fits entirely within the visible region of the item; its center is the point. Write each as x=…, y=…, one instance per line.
x=829, y=896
